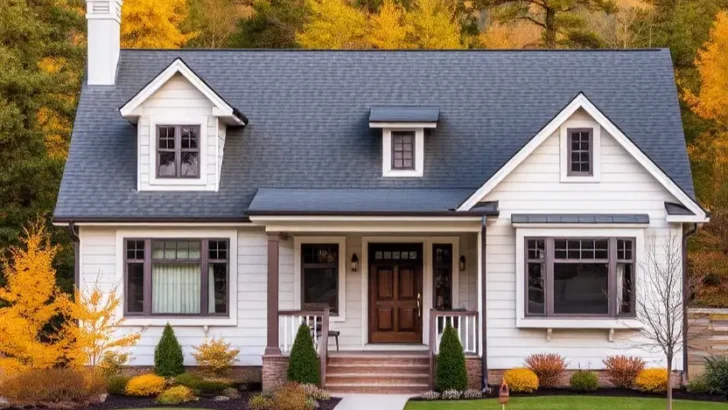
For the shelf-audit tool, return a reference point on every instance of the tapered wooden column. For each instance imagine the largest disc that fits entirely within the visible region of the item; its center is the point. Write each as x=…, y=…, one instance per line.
x=273, y=263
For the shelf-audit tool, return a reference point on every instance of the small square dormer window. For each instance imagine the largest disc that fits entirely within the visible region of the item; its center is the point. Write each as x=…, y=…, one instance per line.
x=178, y=151
x=581, y=152
x=403, y=150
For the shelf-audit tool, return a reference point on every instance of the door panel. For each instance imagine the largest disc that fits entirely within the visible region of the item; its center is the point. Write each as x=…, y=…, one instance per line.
x=395, y=293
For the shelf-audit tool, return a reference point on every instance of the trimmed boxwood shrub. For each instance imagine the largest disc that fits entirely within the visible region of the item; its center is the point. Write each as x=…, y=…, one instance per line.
x=584, y=381
x=117, y=384
x=168, y=359
x=716, y=374
x=201, y=385
x=303, y=364
x=451, y=371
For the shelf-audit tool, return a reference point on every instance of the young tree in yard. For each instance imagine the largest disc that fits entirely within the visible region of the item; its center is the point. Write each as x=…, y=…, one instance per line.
x=30, y=337
x=660, y=305
x=154, y=24
x=560, y=20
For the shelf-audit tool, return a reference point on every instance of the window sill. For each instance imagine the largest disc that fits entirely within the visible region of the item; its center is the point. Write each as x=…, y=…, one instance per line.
x=579, y=323
x=197, y=321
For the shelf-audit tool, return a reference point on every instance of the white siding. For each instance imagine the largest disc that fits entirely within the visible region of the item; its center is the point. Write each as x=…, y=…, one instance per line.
x=535, y=187
x=179, y=99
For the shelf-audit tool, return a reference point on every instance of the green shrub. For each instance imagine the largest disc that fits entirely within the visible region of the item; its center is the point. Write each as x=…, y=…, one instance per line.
x=584, y=381
x=176, y=395
x=117, y=384
x=451, y=371
x=201, y=385
x=260, y=402
x=716, y=374
x=303, y=364
x=168, y=358
x=699, y=384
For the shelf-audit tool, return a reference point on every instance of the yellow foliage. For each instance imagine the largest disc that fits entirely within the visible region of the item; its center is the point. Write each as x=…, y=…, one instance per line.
x=516, y=35
x=388, y=29
x=145, y=385
x=433, y=26
x=712, y=64
x=33, y=299
x=154, y=24
x=652, y=380
x=521, y=380
x=96, y=332
x=215, y=356
x=176, y=395
x=334, y=25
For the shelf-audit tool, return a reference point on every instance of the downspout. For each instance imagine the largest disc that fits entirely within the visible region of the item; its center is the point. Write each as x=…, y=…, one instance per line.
x=484, y=313
x=686, y=235
x=73, y=232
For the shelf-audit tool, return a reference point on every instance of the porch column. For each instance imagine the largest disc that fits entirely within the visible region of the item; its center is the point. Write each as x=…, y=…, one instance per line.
x=482, y=301
x=273, y=263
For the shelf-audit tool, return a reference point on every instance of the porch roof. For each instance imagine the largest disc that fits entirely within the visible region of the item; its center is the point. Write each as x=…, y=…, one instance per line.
x=580, y=219
x=282, y=201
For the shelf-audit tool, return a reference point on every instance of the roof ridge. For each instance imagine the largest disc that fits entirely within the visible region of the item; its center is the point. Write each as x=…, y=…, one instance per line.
x=480, y=50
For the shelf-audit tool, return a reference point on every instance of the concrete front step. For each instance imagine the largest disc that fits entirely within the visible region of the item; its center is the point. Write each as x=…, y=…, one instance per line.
x=409, y=369
x=378, y=372
x=377, y=388
x=378, y=361
x=380, y=378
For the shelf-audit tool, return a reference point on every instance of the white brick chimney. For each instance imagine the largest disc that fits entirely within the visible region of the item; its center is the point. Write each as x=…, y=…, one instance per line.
x=104, y=31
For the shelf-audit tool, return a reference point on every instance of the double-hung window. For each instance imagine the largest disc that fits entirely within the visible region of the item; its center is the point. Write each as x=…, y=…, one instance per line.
x=176, y=277
x=178, y=151
x=581, y=152
x=403, y=150
x=580, y=277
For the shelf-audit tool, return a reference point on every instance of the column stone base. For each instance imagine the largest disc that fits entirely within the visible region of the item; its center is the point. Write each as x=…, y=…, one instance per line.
x=274, y=371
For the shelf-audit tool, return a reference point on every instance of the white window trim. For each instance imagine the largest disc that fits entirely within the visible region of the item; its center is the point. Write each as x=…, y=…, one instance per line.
x=387, y=170
x=595, y=154
x=343, y=268
x=577, y=323
x=230, y=234
x=176, y=184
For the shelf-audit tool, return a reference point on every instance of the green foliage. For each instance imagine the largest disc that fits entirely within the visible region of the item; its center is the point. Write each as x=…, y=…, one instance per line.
x=176, y=395
x=168, y=358
x=303, y=364
x=260, y=402
x=716, y=374
x=584, y=381
x=698, y=384
x=201, y=385
x=117, y=384
x=273, y=24
x=451, y=371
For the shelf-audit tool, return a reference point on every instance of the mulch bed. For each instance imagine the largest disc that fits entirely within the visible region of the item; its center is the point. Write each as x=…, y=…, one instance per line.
x=123, y=402
x=677, y=394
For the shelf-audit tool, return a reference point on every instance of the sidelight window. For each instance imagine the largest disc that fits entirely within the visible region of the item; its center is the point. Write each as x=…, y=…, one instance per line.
x=580, y=276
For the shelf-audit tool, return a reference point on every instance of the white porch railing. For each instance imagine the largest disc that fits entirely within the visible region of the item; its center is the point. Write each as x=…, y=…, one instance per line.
x=464, y=323
x=289, y=323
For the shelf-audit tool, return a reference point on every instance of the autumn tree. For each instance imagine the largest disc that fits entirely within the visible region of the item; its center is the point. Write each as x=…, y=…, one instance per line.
x=433, y=25
x=273, y=24
x=561, y=20
x=334, y=25
x=388, y=27
x=214, y=21
x=513, y=35
x=154, y=24
x=30, y=336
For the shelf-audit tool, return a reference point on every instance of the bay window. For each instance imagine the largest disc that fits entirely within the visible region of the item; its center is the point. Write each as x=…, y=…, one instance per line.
x=176, y=277
x=579, y=277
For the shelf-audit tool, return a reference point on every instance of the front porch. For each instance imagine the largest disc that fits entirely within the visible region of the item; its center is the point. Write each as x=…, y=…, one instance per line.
x=394, y=296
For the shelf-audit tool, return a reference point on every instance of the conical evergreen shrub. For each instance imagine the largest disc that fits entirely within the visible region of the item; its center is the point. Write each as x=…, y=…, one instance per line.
x=168, y=358
x=451, y=371
x=303, y=364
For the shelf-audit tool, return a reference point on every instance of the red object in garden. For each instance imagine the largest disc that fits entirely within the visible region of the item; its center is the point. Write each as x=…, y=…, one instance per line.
x=504, y=393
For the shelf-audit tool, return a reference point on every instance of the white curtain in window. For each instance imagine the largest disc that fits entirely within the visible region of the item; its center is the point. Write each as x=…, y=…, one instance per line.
x=176, y=288
x=211, y=290
x=620, y=286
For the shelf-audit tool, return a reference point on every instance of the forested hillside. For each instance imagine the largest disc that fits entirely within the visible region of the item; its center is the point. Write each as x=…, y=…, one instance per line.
x=42, y=54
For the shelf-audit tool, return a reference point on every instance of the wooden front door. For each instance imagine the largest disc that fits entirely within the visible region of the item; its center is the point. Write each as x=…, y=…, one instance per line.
x=395, y=293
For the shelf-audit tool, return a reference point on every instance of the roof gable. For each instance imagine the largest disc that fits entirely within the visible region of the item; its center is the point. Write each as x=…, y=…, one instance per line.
x=581, y=101
x=132, y=110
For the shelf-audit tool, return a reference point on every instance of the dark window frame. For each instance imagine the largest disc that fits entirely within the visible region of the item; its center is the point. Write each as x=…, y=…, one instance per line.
x=570, y=134
x=178, y=151
x=204, y=262
x=333, y=265
x=401, y=134
x=611, y=261
x=446, y=265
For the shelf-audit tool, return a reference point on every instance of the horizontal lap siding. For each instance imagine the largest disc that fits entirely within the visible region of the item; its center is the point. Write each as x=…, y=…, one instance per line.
x=535, y=187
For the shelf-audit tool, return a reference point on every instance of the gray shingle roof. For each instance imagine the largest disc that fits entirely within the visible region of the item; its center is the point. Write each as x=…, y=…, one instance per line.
x=404, y=114
x=309, y=113
x=677, y=209
x=580, y=218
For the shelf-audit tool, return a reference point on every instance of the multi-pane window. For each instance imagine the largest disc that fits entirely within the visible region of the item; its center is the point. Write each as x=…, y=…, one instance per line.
x=320, y=277
x=442, y=274
x=177, y=277
x=403, y=150
x=178, y=151
x=580, y=277
x=580, y=152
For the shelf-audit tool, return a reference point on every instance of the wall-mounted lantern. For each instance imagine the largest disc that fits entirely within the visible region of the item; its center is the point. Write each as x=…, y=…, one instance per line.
x=463, y=263
x=354, y=263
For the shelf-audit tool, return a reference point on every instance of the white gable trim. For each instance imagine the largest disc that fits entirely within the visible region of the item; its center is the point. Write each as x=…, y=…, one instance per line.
x=581, y=101
x=133, y=109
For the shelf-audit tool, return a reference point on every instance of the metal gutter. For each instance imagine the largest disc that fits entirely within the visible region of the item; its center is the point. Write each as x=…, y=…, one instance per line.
x=686, y=235
x=73, y=232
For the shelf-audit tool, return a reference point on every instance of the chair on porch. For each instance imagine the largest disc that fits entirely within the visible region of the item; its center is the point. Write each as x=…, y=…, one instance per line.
x=332, y=333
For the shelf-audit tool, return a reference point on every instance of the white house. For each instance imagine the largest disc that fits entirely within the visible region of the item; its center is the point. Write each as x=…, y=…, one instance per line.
x=377, y=194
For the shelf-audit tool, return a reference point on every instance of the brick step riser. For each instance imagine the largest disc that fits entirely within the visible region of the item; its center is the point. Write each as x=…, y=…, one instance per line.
x=334, y=361
x=379, y=379
x=377, y=390
x=365, y=370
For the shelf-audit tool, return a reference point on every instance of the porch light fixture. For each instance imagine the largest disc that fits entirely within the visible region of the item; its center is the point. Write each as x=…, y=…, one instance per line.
x=463, y=263
x=354, y=263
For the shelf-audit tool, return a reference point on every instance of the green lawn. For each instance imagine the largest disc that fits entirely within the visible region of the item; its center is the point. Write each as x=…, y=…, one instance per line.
x=565, y=403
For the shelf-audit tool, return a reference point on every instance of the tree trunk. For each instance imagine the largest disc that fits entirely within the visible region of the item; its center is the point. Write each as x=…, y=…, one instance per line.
x=669, y=384
x=550, y=35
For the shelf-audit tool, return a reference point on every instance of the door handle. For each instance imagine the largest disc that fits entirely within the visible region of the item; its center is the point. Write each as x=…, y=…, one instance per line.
x=419, y=305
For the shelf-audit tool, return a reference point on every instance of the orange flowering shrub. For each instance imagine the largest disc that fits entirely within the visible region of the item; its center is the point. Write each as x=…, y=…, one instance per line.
x=622, y=370
x=521, y=380
x=548, y=368
x=145, y=385
x=652, y=381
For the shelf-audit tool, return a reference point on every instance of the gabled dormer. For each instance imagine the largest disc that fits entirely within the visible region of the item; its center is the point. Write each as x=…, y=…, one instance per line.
x=403, y=138
x=181, y=129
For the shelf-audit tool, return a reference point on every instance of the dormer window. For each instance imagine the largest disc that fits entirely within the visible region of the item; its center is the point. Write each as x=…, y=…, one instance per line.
x=403, y=150
x=178, y=151
x=581, y=153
